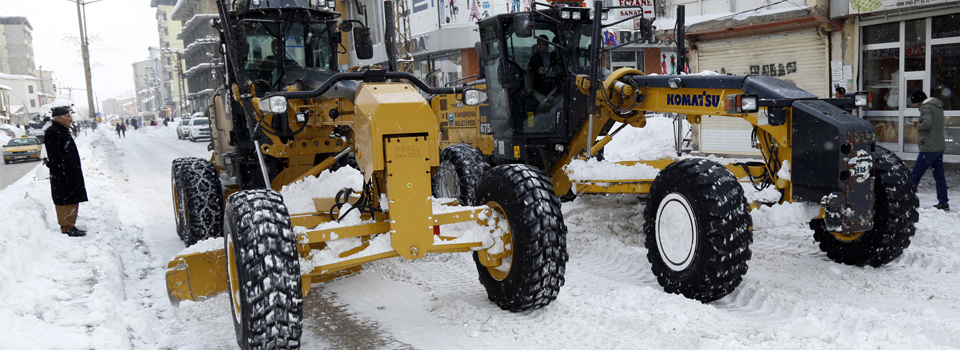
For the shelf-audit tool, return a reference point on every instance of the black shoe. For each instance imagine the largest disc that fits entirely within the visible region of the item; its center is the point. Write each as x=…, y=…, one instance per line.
x=74, y=232
x=944, y=207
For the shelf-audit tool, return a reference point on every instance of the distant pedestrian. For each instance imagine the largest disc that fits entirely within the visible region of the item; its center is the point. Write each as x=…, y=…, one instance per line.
x=931, y=143
x=118, y=129
x=66, y=176
x=164, y=121
x=123, y=129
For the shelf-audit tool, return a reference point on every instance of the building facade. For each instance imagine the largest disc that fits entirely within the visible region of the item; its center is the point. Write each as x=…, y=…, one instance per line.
x=24, y=96
x=174, y=85
x=896, y=48
x=202, y=66
x=16, y=46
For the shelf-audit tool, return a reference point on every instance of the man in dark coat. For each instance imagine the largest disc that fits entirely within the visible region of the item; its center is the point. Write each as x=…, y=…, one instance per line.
x=932, y=144
x=66, y=177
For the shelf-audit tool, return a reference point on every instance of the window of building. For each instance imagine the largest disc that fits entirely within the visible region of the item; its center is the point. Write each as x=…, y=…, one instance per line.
x=631, y=59
x=33, y=103
x=899, y=58
x=30, y=88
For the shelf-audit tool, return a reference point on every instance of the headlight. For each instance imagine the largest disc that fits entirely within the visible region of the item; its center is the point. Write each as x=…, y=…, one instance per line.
x=474, y=97
x=862, y=99
x=565, y=14
x=273, y=104
x=331, y=4
x=575, y=15
x=741, y=103
x=604, y=15
x=748, y=103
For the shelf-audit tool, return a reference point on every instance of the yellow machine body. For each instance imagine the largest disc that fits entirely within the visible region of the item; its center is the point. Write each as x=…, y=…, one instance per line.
x=395, y=142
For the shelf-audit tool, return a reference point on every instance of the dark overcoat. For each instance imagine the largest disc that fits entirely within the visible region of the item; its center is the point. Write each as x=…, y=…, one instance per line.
x=66, y=177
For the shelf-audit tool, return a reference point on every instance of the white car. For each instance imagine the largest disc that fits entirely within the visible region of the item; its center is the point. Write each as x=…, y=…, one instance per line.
x=182, y=128
x=199, y=128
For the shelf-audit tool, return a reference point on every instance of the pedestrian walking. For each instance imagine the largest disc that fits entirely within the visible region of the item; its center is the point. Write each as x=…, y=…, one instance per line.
x=118, y=129
x=66, y=176
x=123, y=129
x=931, y=143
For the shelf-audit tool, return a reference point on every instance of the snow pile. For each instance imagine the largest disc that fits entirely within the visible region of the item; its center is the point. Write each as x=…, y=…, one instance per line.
x=299, y=195
x=651, y=142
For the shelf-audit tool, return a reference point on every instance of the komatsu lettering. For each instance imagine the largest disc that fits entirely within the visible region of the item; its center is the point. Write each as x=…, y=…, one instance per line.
x=696, y=100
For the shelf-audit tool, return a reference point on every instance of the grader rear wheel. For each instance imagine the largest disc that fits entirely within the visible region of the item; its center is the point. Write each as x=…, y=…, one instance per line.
x=535, y=248
x=894, y=219
x=263, y=271
x=197, y=199
x=697, y=230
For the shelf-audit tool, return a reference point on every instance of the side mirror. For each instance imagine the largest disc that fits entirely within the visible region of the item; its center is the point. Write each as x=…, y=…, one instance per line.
x=523, y=25
x=474, y=97
x=363, y=43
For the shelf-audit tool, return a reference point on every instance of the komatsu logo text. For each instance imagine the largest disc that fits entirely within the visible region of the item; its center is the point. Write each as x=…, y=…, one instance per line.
x=696, y=100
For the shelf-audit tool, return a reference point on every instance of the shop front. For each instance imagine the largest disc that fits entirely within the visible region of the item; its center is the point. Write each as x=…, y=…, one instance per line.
x=902, y=54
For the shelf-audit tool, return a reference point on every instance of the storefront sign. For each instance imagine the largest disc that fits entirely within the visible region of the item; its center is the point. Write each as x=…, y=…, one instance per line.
x=642, y=6
x=867, y=6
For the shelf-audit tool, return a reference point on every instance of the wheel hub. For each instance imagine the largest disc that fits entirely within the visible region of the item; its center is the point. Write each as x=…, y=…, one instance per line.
x=676, y=231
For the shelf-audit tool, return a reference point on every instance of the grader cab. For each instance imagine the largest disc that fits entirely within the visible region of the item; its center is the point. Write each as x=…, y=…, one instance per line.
x=697, y=224
x=284, y=115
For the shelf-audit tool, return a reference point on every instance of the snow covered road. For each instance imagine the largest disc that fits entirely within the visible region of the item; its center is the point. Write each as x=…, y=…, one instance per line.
x=106, y=291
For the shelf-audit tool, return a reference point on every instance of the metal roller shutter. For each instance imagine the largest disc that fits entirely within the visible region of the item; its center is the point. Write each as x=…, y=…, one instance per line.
x=799, y=57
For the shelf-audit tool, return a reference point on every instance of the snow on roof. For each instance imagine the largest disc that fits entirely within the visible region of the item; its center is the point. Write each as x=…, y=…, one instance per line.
x=196, y=68
x=4, y=87
x=200, y=17
x=667, y=23
x=16, y=77
x=60, y=102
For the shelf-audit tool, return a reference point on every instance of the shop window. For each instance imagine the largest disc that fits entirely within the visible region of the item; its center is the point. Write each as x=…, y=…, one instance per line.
x=882, y=77
x=945, y=75
x=881, y=33
x=632, y=59
x=915, y=44
x=946, y=26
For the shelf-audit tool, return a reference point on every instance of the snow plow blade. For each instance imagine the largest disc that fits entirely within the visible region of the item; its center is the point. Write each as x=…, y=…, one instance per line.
x=196, y=276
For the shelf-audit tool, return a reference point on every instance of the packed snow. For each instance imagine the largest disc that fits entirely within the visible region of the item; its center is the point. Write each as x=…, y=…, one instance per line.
x=107, y=290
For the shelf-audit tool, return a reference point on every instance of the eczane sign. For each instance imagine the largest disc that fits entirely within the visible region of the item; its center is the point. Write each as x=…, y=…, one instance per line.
x=641, y=6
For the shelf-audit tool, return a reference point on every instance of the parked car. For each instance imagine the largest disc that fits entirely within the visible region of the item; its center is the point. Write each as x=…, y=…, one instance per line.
x=36, y=129
x=182, y=128
x=22, y=148
x=8, y=130
x=199, y=129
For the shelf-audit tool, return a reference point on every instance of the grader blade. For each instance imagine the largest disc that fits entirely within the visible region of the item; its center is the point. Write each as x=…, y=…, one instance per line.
x=196, y=276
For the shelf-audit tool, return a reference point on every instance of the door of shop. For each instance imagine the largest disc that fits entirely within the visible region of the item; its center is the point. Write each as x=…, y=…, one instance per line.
x=912, y=81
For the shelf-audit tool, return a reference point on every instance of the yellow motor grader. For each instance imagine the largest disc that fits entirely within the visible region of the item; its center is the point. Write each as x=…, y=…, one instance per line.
x=696, y=221
x=285, y=114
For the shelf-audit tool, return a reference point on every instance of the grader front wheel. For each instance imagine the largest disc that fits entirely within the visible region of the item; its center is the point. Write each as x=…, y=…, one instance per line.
x=263, y=271
x=531, y=274
x=697, y=230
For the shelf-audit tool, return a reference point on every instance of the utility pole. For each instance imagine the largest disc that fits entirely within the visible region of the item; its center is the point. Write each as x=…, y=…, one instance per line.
x=85, y=53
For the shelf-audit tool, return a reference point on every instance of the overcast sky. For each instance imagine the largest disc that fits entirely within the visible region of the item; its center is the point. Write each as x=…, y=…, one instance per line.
x=120, y=32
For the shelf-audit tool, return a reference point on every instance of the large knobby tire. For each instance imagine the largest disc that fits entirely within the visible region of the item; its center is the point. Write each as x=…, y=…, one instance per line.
x=894, y=218
x=531, y=276
x=461, y=167
x=197, y=199
x=697, y=227
x=263, y=269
